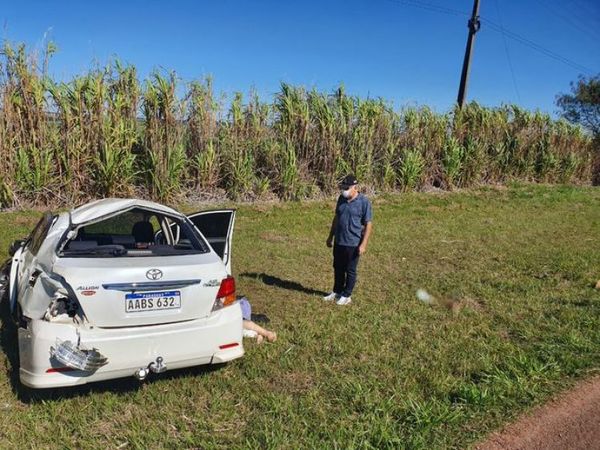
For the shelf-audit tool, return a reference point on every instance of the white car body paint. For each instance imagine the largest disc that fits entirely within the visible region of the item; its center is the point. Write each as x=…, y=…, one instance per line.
x=190, y=335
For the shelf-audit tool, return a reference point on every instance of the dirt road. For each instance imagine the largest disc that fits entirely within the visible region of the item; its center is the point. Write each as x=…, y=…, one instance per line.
x=571, y=421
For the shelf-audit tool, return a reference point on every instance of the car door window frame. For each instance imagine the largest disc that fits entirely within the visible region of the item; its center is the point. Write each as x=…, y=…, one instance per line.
x=229, y=231
x=35, y=240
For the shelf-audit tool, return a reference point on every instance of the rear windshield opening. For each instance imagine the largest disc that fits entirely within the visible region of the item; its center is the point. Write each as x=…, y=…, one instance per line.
x=136, y=232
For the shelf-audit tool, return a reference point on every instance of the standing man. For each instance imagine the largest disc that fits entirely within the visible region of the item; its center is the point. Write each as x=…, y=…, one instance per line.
x=351, y=228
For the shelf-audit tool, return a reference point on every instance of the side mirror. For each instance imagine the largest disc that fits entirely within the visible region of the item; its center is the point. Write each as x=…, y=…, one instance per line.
x=16, y=245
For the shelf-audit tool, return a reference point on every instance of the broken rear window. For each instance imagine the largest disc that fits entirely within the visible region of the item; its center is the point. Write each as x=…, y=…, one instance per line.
x=136, y=232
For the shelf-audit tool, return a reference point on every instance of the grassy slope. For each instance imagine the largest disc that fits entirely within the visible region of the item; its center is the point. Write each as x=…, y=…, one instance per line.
x=388, y=371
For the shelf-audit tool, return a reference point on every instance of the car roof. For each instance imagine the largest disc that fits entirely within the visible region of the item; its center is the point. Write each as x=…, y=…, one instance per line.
x=107, y=206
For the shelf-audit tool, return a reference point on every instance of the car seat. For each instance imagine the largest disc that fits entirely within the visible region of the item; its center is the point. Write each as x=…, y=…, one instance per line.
x=143, y=232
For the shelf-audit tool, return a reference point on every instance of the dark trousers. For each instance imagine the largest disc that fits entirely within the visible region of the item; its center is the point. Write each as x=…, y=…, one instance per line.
x=345, y=262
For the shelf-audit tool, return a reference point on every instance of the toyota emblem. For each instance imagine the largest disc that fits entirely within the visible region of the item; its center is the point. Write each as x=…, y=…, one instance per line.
x=154, y=274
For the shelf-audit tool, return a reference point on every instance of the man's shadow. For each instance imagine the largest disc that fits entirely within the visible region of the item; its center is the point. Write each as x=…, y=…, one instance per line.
x=271, y=280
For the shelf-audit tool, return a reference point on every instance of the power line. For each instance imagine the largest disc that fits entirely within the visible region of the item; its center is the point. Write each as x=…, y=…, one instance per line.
x=430, y=7
x=590, y=10
x=510, y=66
x=570, y=19
x=498, y=28
x=585, y=14
x=537, y=47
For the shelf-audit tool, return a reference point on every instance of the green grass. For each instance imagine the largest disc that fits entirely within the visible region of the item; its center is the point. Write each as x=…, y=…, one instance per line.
x=387, y=372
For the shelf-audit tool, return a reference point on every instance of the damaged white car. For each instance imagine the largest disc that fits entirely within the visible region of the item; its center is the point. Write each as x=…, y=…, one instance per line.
x=123, y=287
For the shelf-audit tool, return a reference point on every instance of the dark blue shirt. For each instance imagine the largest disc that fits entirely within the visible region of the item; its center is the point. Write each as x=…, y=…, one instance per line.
x=352, y=216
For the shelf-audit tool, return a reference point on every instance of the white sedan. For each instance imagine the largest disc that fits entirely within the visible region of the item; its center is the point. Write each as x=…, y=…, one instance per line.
x=123, y=287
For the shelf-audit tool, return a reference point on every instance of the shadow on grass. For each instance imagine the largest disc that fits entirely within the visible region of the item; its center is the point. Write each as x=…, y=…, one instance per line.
x=9, y=345
x=271, y=280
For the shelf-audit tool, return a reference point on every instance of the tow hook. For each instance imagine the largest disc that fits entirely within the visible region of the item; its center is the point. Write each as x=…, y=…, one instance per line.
x=157, y=366
x=141, y=373
x=154, y=367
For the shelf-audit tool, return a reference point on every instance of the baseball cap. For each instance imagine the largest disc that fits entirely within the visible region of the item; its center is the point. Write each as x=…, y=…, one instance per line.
x=349, y=180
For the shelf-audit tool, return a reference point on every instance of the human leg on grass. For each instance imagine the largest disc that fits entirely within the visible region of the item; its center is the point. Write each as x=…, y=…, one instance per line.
x=271, y=336
x=351, y=272
x=349, y=257
x=340, y=263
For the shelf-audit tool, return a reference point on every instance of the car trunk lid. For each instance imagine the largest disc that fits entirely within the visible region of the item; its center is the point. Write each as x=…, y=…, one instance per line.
x=135, y=291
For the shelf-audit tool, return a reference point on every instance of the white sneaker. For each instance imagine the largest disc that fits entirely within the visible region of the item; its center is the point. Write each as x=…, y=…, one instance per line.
x=344, y=301
x=330, y=297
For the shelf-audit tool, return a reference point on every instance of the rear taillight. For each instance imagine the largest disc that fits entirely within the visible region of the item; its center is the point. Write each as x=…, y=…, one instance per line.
x=59, y=369
x=226, y=294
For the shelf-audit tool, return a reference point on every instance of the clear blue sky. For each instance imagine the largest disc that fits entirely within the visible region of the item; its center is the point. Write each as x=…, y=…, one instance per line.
x=380, y=48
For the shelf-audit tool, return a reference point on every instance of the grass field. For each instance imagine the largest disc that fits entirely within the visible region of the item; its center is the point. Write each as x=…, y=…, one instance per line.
x=518, y=265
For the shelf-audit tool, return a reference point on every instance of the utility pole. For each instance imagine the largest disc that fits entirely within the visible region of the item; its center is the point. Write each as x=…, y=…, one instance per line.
x=474, y=24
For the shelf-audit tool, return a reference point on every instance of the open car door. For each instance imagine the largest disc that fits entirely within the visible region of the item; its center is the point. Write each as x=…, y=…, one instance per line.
x=217, y=228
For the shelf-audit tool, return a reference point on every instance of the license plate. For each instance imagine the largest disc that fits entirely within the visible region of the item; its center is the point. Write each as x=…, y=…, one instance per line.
x=152, y=301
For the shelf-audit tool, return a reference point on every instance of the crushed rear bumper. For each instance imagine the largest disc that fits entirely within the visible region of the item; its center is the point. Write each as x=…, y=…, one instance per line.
x=214, y=339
